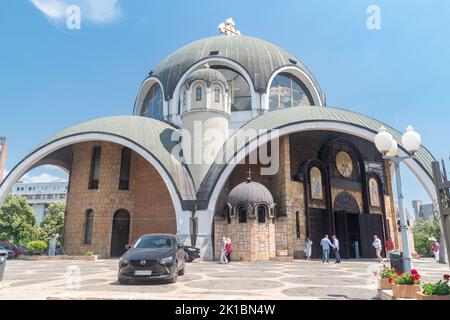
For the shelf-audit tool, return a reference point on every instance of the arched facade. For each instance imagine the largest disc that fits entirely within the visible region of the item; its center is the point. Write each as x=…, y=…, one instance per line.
x=326, y=175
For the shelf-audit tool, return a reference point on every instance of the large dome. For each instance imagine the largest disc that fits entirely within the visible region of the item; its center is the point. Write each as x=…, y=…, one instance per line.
x=258, y=57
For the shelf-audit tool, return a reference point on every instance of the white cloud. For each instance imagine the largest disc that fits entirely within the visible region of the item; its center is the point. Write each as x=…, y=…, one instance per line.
x=96, y=11
x=43, y=177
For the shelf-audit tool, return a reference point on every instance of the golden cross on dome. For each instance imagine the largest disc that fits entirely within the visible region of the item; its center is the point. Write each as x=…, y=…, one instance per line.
x=249, y=174
x=228, y=29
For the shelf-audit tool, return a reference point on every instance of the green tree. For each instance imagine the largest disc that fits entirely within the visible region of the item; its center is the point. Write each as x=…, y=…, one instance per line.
x=53, y=221
x=423, y=231
x=18, y=221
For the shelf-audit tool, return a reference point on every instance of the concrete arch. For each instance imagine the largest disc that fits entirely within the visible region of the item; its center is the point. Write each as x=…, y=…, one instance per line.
x=303, y=77
x=224, y=62
x=364, y=133
x=39, y=154
x=143, y=91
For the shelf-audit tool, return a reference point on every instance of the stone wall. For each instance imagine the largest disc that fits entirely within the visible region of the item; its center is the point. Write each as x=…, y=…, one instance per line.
x=104, y=201
x=251, y=241
x=147, y=200
x=153, y=208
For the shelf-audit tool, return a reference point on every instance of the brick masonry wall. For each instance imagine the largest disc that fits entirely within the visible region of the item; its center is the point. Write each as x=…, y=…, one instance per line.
x=104, y=201
x=153, y=208
x=147, y=200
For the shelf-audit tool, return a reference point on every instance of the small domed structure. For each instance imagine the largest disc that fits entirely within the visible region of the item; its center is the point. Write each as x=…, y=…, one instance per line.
x=252, y=194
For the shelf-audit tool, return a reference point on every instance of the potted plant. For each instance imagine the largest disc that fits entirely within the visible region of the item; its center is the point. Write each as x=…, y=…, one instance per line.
x=405, y=285
x=384, y=279
x=435, y=291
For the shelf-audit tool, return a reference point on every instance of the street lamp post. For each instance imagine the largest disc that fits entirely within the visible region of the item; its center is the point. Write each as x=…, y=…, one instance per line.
x=387, y=146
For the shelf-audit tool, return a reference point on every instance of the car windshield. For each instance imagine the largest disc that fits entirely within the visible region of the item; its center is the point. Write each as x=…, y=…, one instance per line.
x=153, y=242
x=7, y=246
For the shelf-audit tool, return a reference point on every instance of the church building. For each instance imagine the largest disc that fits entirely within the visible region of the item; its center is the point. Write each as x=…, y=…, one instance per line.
x=230, y=136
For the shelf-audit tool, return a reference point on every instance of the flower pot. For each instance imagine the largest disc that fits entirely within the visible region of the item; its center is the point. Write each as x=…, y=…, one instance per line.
x=383, y=284
x=421, y=296
x=405, y=291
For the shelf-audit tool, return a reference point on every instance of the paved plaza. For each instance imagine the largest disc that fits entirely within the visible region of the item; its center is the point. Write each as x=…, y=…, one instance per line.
x=203, y=280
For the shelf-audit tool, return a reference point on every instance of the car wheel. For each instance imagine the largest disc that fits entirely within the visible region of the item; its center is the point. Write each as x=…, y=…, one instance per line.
x=181, y=272
x=123, y=281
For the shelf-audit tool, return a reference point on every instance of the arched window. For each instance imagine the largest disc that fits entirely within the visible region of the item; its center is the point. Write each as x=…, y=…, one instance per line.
x=287, y=91
x=88, y=226
x=297, y=224
x=242, y=214
x=198, y=93
x=94, y=174
x=125, y=165
x=239, y=90
x=217, y=94
x=153, y=104
x=262, y=212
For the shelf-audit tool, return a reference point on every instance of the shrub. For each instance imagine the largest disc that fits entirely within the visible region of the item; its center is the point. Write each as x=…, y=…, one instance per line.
x=386, y=273
x=89, y=253
x=37, y=246
x=440, y=288
x=407, y=278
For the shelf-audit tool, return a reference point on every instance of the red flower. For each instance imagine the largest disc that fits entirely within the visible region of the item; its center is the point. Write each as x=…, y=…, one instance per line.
x=415, y=277
x=390, y=280
x=414, y=271
x=398, y=273
x=446, y=277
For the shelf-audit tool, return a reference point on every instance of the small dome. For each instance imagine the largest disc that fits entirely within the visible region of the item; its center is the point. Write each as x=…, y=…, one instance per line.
x=206, y=74
x=251, y=193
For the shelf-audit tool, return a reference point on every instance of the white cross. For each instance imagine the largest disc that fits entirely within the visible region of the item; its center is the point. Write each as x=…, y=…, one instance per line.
x=228, y=29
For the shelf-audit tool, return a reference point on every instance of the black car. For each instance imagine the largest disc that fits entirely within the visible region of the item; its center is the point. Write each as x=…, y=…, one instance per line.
x=152, y=257
x=192, y=253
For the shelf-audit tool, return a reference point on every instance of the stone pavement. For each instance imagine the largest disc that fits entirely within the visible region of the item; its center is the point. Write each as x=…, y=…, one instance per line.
x=203, y=280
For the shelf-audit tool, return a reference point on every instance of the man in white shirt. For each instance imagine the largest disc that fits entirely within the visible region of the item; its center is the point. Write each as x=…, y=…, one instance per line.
x=378, y=247
x=326, y=244
x=336, y=248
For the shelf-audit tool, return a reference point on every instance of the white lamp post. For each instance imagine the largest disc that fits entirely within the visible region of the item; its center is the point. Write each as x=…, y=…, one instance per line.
x=386, y=144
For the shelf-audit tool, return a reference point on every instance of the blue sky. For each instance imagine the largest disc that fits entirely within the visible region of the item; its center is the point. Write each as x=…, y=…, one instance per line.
x=52, y=77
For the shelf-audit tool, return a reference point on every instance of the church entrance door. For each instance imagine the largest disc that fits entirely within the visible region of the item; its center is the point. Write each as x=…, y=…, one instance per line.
x=347, y=232
x=318, y=227
x=370, y=224
x=120, y=232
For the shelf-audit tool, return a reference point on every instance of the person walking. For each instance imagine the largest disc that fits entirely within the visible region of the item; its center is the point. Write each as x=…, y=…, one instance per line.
x=336, y=249
x=308, y=249
x=228, y=250
x=378, y=247
x=389, y=245
x=326, y=244
x=223, y=258
x=435, y=247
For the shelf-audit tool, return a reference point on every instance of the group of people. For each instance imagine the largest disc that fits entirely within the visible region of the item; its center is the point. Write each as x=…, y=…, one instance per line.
x=225, y=254
x=328, y=244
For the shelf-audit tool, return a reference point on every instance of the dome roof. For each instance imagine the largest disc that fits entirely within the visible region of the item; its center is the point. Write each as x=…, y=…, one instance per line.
x=206, y=74
x=250, y=192
x=258, y=57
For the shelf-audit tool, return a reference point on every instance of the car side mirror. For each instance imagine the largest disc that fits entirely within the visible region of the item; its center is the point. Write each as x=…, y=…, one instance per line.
x=180, y=246
x=128, y=246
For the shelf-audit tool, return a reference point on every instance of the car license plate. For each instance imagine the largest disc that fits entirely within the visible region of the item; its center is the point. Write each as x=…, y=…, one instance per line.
x=143, y=272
